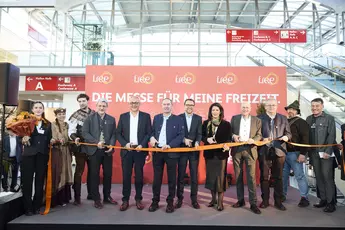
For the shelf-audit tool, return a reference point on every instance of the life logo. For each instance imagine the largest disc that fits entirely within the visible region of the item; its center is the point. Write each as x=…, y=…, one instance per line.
x=104, y=78
x=229, y=79
x=188, y=78
x=270, y=79
x=146, y=78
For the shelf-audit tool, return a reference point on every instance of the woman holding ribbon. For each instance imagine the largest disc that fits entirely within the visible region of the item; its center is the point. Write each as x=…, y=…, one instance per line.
x=61, y=160
x=215, y=130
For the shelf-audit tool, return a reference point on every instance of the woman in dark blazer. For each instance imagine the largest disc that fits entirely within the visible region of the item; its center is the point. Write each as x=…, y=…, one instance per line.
x=216, y=130
x=34, y=160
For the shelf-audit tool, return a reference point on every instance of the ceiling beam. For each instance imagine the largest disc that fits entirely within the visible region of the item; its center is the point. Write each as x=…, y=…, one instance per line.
x=123, y=12
x=218, y=9
x=295, y=14
x=147, y=10
x=96, y=12
x=243, y=9
x=321, y=19
x=269, y=11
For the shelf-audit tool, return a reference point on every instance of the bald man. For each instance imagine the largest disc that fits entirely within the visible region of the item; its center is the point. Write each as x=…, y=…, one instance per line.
x=133, y=131
x=246, y=129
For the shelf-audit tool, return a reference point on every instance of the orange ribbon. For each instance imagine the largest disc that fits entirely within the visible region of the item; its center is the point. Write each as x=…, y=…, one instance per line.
x=49, y=183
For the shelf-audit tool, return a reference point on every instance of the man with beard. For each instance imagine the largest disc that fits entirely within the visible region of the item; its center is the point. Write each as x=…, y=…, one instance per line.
x=76, y=122
x=295, y=156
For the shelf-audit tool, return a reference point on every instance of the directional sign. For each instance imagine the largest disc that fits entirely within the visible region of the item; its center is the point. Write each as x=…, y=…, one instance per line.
x=55, y=83
x=266, y=36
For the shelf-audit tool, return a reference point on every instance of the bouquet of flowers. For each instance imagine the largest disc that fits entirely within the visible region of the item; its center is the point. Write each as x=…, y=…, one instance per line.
x=23, y=124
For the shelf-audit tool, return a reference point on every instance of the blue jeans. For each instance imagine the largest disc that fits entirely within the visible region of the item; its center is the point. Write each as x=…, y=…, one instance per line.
x=291, y=163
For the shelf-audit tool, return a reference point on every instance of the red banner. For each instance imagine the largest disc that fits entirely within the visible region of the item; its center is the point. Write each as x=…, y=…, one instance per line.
x=266, y=36
x=55, y=83
x=227, y=85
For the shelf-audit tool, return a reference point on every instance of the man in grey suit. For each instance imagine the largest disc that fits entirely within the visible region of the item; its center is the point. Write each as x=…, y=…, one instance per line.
x=133, y=131
x=322, y=131
x=192, y=138
x=100, y=128
x=245, y=128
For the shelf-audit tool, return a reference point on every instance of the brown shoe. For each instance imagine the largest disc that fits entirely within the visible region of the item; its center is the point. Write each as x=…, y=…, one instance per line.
x=196, y=205
x=98, y=204
x=139, y=205
x=239, y=204
x=264, y=204
x=124, y=206
x=109, y=200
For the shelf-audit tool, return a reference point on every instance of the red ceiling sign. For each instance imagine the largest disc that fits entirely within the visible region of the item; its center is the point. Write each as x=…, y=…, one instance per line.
x=266, y=36
x=55, y=83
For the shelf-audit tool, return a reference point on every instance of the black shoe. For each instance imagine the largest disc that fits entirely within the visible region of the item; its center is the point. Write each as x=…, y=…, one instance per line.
x=330, y=208
x=178, y=203
x=29, y=213
x=239, y=204
x=321, y=204
x=283, y=199
x=98, y=204
x=36, y=212
x=153, y=207
x=212, y=203
x=264, y=204
x=280, y=207
x=255, y=209
x=170, y=208
x=5, y=190
x=303, y=202
x=109, y=200
x=13, y=190
x=89, y=197
x=77, y=201
x=196, y=205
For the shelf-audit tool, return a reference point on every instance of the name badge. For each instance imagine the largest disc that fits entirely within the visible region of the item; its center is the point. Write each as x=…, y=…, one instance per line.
x=40, y=131
x=313, y=126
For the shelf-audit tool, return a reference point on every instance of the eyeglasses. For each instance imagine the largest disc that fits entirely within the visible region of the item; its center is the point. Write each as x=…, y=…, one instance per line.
x=134, y=103
x=189, y=105
x=271, y=105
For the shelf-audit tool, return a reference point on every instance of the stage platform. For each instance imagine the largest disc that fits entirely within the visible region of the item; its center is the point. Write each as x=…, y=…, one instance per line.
x=87, y=217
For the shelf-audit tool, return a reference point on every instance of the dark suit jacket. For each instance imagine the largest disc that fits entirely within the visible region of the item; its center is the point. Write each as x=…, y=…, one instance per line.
x=255, y=131
x=7, y=147
x=39, y=143
x=174, y=131
x=281, y=128
x=223, y=135
x=195, y=132
x=91, y=132
x=143, y=133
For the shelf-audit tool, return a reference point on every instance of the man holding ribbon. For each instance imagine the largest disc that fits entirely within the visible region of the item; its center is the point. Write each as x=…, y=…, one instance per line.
x=322, y=131
x=167, y=132
x=275, y=131
x=99, y=129
x=133, y=132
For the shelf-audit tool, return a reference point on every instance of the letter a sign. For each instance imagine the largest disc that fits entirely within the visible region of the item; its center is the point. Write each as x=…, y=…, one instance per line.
x=39, y=86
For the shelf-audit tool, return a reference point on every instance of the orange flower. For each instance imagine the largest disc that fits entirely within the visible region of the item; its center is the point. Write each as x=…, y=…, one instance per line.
x=23, y=124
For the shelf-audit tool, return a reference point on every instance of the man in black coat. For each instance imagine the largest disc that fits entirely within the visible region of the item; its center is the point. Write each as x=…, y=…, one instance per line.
x=133, y=131
x=192, y=138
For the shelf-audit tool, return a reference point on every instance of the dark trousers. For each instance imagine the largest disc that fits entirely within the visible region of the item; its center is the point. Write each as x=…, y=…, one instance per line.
x=33, y=164
x=159, y=159
x=14, y=168
x=245, y=155
x=193, y=160
x=96, y=160
x=276, y=164
x=323, y=169
x=128, y=160
x=81, y=159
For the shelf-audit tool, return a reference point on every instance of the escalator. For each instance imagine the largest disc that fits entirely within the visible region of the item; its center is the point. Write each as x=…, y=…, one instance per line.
x=307, y=78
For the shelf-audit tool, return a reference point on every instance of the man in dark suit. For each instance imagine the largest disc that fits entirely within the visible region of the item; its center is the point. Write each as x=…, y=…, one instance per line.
x=100, y=128
x=246, y=128
x=167, y=132
x=133, y=131
x=192, y=138
x=13, y=151
x=276, y=129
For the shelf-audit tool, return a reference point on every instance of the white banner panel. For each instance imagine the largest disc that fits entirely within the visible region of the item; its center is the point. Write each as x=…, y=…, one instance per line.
x=27, y=3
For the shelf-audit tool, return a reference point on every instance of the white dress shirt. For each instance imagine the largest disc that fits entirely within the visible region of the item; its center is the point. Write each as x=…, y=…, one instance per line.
x=133, y=129
x=189, y=120
x=245, y=128
x=162, y=140
x=13, y=145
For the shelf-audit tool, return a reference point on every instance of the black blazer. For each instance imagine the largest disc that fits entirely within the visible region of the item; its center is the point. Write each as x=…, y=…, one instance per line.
x=195, y=132
x=7, y=147
x=91, y=132
x=39, y=142
x=174, y=131
x=223, y=135
x=281, y=128
x=143, y=133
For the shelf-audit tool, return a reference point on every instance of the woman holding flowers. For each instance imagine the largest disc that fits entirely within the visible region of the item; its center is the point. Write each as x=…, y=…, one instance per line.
x=34, y=160
x=61, y=160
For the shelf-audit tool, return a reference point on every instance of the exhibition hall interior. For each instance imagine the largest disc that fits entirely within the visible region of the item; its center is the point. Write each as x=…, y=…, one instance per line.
x=172, y=114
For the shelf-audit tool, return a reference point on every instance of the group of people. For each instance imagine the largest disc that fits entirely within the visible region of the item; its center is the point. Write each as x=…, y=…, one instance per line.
x=135, y=131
